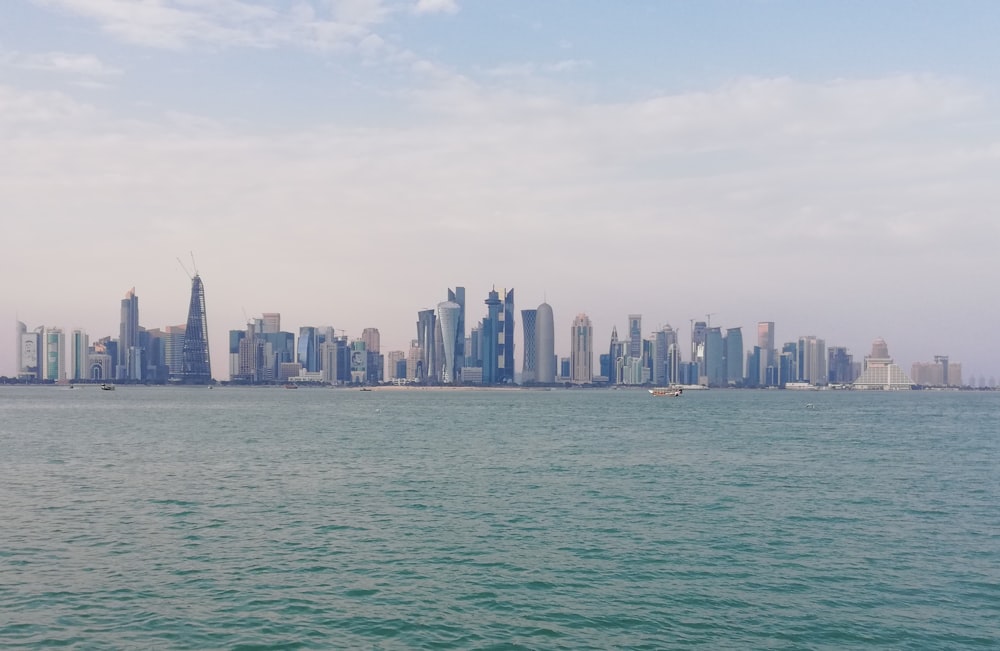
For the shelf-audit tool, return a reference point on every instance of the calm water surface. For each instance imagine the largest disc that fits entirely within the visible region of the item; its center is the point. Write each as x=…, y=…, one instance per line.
x=263, y=518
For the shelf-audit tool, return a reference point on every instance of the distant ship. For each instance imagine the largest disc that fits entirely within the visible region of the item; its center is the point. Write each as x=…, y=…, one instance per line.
x=669, y=392
x=107, y=387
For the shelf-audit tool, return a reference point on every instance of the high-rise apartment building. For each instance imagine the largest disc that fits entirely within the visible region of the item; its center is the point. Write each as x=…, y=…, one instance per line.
x=545, y=345
x=581, y=360
x=79, y=352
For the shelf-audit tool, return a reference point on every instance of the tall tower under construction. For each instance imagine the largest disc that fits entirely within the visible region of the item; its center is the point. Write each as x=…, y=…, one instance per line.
x=197, y=363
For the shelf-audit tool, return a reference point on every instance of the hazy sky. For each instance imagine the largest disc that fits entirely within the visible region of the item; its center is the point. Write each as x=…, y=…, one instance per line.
x=830, y=166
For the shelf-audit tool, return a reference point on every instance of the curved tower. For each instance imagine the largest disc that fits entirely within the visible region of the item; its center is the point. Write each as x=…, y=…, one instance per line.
x=448, y=315
x=197, y=363
x=545, y=345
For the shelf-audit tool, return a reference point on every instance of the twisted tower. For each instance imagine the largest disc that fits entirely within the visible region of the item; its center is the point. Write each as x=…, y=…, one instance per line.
x=197, y=364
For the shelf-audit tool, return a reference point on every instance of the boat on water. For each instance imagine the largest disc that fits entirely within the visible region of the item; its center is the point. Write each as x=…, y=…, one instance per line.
x=291, y=385
x=107, y=387
x=666, y=392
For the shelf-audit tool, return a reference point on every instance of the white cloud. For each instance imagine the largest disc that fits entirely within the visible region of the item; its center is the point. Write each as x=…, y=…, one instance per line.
x=84, y=65
x=175, y=24
x=436, y=7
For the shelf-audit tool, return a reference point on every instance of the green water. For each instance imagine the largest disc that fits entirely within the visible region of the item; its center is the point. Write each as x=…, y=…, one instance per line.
x=263, y=518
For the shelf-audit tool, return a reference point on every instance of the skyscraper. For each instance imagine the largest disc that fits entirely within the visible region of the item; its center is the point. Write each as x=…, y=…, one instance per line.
x=55, y=354
x=811, y=359
x=614, y=353
x=698, y=338
x=491, y=336
x=129, y=353
x=530, y=343
x=372, y=339
x=308, y=348
x=197, y=364
x=426, y=324
x=447, y=317
x=458, y=296
x=715, y=368
x=545, y=345
x=765, y=340
x=506, y=361
x=635, y=335
x=581, y=360
x=80, y=349
x=734, y=356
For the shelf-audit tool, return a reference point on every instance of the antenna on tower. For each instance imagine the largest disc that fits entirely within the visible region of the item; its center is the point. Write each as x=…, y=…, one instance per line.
x=194, y=265
x=188, y=273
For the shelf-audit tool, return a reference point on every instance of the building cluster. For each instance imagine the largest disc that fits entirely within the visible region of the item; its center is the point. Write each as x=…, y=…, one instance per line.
x=177, y=354
x=446, y=352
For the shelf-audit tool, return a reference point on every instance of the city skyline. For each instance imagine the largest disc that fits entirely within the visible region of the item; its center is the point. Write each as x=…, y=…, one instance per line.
x=307, y=350
x=339, y=162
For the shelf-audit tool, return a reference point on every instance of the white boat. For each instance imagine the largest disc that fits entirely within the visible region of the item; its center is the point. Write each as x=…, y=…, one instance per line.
x=107, y=387
x=669, y=392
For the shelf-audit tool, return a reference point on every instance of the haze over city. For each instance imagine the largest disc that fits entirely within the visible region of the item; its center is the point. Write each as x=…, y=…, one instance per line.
x=829, y=167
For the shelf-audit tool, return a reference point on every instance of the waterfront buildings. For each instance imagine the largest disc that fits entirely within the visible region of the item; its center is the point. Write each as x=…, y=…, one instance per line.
x=880, y=372
x=940, y=373
x=581, y=359
x=810, y=356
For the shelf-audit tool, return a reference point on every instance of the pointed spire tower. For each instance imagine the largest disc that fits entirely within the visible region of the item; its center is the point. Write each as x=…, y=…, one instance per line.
x=197, y=363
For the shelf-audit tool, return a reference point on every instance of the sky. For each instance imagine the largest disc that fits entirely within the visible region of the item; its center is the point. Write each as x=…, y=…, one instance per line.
x=829, y=166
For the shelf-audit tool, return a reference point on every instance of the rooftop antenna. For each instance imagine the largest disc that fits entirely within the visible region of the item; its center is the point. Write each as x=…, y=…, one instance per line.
x=194, y=265
x=708, y=319
x=190, y=277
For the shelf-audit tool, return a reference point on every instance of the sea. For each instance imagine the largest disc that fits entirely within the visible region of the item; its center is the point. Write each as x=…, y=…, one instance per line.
x=262, y=518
